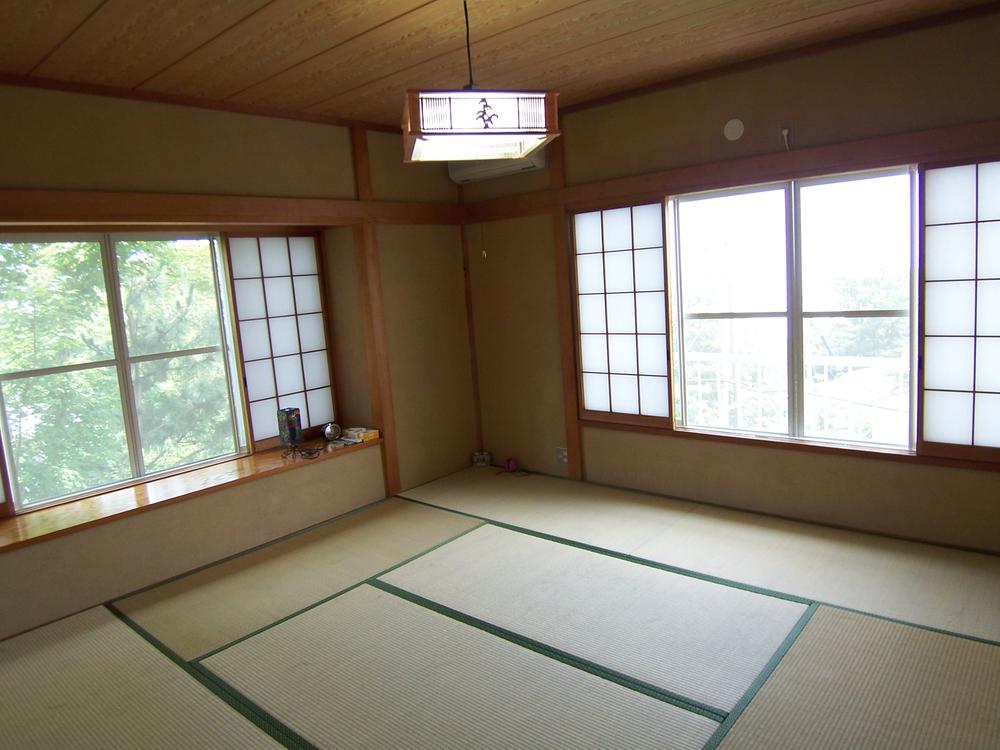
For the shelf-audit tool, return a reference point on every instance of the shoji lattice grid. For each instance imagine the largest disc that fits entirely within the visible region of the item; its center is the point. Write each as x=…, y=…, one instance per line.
x=962, y=305
x=278, y=306
x=622, y=310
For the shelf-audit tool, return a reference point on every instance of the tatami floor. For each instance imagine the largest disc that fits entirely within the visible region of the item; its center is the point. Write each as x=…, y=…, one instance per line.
x=490, y=610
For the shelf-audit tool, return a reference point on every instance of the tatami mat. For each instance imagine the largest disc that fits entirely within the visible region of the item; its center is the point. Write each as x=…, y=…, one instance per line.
x=89, y=681
x=699, y=640
x=852, y=681
x=397, y=675
x=920, y=583
x=210, y=608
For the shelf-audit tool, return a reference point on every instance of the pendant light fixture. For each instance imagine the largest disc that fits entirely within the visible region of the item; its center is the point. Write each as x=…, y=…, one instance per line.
x=470, y=125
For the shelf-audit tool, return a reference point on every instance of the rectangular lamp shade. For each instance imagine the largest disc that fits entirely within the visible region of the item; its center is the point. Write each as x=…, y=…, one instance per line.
x=470, y=125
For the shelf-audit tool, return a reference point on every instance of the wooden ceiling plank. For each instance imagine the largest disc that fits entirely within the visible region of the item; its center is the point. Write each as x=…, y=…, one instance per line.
x=32, y=29
x=283, y=34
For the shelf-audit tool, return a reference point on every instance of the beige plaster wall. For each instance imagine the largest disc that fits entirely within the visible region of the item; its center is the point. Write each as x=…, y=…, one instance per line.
x=392, y=180
x=430, y=368
x=52, y=579
x=60, y=140
x=517, y=340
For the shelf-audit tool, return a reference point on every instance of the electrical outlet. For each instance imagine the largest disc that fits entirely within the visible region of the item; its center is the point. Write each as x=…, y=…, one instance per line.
x=562, y=456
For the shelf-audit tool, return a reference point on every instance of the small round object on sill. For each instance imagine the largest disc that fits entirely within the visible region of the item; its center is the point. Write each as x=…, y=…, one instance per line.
x=331, y=431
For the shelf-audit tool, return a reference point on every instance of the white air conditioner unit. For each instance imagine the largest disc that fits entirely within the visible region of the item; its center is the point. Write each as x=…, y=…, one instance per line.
x=475, y=171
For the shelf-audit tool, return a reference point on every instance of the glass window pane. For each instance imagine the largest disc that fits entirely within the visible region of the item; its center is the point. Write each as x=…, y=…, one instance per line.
x=317, y=369
x=652, y=311
x=989, y=250
x=989, y=191
x=949, y=362
x=647, y=222
x=595, y=392
x=67, y=433
x=264, y=419
x=618, y=229
x=284, y=336
x=255, y=339
x=594, y=353
x=592, y=314
x=288, y=374
x=260, y=380
x=249, y=299
x=168, y=294
x=950, y=195
x=653, y=396
x=950, y=252
x=590, y=273
x=303, y=251
x=733, y=252
x=53, y=305
x=311, y=332
x=621, y=354
x=296, y=401
x=950, y=308
x=649, y=270
x=737, y=374
x=279, y=296
x=987, y=420
x=307, y=294
x=621, y=313
x=856, y=244
x=587, y=232
x=244, y=257
x=625, y=394
x=618, y=271
x=988, y=365
x=274, y=256
x=857, y=379
x=988, y=308
x=652, y=355
x=948, y=417
x=183, y=408
x=320, y=406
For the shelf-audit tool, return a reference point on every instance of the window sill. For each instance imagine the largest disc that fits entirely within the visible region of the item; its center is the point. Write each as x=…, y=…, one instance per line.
x=57, y=520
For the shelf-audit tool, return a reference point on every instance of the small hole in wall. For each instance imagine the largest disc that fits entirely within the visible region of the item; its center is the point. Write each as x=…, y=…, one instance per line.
x=733, y=130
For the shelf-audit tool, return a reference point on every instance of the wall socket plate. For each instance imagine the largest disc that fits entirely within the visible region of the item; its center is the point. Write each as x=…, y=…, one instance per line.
x=562, y=456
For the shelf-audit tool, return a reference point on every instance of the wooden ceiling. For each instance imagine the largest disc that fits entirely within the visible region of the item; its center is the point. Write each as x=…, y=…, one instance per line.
x=351, y=60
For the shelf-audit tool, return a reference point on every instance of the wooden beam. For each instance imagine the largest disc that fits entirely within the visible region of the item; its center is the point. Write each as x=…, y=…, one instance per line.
x=567, y=358
x=476, y=402
x=362, y=164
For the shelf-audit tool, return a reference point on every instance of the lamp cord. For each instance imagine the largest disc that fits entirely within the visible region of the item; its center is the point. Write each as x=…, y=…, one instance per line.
x=468, y=45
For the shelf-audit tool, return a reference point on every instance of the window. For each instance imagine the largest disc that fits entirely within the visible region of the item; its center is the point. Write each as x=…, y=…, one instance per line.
x=279, y=306
x=961, y=325
x=115, y=361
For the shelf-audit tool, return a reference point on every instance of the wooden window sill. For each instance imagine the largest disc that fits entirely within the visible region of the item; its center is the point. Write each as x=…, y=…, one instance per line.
x=57, y=520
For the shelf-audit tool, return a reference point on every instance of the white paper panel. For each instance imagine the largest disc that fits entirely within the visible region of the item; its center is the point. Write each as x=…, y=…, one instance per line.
x=303, y=252
x=950, y=252
x=950, y=195
x=650, y=307
x=320, y=406
x=260, y=380
x=987, y=420
x=988, y=365
x=288, y=372
x=264, y=419
x=988, y=309
x=652, y=355
x=296, y=401
x=621, y=354
x=950, y=308
x=592, y=314
x=243, y=256
x=649, y=270
x=621, y=313
x=307, y=294
x=989, y=250
x=989, y=191
x=594, y=352
x=595, y=392
x=588, y=232
x=647, y=224
x=653, y=396
x=311, y=332
x=618, y=229
x=317, y=369
x=255, y=339
x=279, y=296
x=274, y=256
x=249, y=298
x=625, y=394
x=949, y=363
x=284, y=338
x=618, y=271
x=948, y=417
x=590, y=273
